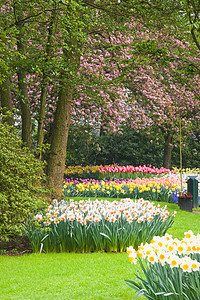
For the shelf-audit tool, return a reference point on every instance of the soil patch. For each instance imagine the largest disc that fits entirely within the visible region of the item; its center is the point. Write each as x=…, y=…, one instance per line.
x=16, y=246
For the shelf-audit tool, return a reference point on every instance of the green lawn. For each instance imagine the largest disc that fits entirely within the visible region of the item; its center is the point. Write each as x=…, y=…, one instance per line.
x=184, y=221
x=71, y=276
x=66, y=276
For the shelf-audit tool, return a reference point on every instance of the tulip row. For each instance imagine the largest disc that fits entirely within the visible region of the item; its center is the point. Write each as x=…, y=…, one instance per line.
x=114, y=171
x=82, y=172
x=131, y=172
x=141, y=169
x=156, y=189
x=88, y=226
x=171, y=267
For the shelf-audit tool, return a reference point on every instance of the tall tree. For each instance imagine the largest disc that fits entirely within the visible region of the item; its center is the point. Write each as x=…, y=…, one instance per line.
x=160, y=74
x=91, y=63
x=19, y=19
x=5, y=84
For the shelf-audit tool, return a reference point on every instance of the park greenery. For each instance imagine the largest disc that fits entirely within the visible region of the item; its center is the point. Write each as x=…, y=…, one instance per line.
x=99, y=67
x=99, y=107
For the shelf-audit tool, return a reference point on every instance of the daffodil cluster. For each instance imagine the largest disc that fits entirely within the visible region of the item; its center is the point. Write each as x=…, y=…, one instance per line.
x=156, y=189
x=96, y=210
x=98, y=225
x=170, y=267
x=166, y=250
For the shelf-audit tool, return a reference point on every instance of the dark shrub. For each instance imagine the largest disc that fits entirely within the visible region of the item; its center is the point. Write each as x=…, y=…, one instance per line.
x=21, y=177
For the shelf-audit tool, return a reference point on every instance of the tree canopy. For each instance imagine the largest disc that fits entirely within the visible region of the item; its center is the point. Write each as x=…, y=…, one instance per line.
x=103, y=64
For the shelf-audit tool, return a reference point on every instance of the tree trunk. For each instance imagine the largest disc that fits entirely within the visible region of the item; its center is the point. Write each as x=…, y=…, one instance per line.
x=41, y=119
x=21, y=73
x=195, y=37
x=23, y=96
x=167, y=151
x=25, y=109
x=58, y=150
x=45, y=81
x=56, y=161
x=6, y=100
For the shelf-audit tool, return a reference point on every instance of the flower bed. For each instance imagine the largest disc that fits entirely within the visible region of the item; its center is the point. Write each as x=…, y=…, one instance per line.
x=114, y=171
x=131, y=172
x=82, y=172
x=87, y=226
x=171, y=267
x=156, y=189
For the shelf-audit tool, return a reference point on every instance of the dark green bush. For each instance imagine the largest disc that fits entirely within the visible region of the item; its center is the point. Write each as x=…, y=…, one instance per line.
x=21, y=178
x=129, y=148
x=190, y=153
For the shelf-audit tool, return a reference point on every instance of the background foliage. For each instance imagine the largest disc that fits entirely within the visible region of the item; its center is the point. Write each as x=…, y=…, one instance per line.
x=21, y=178
x=130, y=148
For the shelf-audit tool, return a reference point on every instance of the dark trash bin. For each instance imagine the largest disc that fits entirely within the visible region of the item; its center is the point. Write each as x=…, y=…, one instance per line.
x=192, y=188
x=185, y=201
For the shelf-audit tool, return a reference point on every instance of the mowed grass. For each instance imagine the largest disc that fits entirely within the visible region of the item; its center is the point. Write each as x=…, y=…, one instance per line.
x=184, y=221
x=68, y=276
x=72, y=276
